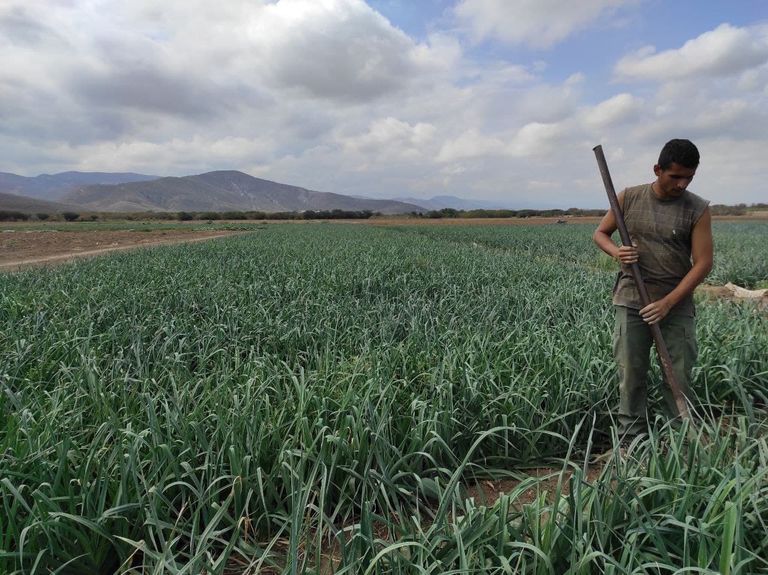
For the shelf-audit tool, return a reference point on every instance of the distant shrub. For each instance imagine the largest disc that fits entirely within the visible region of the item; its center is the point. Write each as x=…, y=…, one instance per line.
x=184, y=216
x=42, y=217
x=13, y=216
x=337, y=215
x=721, y=210
x=70, y=216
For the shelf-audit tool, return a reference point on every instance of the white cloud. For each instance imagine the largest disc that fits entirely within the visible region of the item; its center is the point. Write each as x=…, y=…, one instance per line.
x=754, y=80
x=538, y=23
x=295, y=92
x=724, y=51
x=337, y=49
x=537, y=139
x=470, y=144
x=188, y=154
x=389, y=138
x=440, y=52
x=614, y=110
x=732, y=171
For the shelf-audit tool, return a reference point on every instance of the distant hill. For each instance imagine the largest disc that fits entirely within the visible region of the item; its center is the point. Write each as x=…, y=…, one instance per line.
x=55, y=186
x=221, y=191
x=441, y=202
x=27, y=205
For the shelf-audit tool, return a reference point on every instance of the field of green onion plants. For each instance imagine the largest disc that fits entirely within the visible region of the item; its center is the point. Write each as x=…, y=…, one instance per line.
x=326, y=398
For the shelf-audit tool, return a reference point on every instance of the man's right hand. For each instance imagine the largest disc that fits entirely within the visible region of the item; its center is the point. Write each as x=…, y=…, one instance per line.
x=627, y=255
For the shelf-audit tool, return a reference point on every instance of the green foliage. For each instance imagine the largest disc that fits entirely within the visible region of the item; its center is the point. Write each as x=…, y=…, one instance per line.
x=337, y=215
x=723, y=210
x=266, y=401
x=234, y=216
x=736, y=210
x=740, y=253
x=13, y=216
x=70, y=216
x=525, y=213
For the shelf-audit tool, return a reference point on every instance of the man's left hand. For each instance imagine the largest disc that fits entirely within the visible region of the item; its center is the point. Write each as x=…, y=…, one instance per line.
x=655, y=312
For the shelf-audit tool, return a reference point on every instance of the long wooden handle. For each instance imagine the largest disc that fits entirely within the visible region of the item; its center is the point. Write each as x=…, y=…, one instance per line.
x=661, y=347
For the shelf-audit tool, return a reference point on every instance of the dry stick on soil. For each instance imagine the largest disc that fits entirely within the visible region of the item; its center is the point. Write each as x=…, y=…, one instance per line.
x=661, y=347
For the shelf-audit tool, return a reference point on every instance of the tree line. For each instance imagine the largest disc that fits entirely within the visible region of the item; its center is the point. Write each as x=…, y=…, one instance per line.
x=20, y=216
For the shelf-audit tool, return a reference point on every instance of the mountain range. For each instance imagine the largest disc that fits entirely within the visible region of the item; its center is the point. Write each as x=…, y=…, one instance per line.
x=25, y=204
x=211, y=191
x=53, y=187
x=454, y=203
x=225, y=190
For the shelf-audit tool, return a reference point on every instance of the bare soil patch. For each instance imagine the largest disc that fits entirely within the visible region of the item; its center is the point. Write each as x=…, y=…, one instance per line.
x=711, y=292
x=530, y=221
x=533, y=221
x=759, y=298
x=549, y=478
x=756, y=215
x=20, y=248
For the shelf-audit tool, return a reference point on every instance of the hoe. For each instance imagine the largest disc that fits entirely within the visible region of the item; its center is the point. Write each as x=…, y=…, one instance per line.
x=661, y=347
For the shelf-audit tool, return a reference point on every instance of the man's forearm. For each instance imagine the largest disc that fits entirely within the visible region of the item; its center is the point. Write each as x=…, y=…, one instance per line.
x=605, y=243
x=688, y=284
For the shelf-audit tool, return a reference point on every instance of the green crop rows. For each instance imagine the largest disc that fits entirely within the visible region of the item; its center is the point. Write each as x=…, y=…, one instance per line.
x=320, y=398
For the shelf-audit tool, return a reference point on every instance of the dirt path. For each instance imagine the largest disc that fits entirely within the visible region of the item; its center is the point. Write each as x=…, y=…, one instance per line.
x=20, y=249
x=531, y=221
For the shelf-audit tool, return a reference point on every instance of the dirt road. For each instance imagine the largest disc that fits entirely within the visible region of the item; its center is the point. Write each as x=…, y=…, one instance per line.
x=19, y=249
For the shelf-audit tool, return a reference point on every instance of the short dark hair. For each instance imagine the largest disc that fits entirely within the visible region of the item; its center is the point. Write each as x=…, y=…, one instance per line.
x=681, y=152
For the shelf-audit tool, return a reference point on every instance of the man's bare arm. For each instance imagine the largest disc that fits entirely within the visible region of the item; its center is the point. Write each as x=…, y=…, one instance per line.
x=702, y=258
x=602, y=237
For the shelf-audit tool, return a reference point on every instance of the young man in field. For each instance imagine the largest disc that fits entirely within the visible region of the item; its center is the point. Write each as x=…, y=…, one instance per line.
x=671, y=231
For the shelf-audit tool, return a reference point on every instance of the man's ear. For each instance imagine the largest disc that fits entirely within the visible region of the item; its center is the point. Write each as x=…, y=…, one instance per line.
x=657, y=170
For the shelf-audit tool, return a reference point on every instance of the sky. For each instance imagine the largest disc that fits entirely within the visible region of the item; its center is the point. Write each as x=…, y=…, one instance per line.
x=494, y=100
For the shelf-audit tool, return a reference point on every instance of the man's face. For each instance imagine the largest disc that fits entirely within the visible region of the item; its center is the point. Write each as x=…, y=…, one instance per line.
x=673, y=181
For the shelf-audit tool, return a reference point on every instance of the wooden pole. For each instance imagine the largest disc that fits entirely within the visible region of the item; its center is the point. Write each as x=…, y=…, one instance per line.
x=661, y=347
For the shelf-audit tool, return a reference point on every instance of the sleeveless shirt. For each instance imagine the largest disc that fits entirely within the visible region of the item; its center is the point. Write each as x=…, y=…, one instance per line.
x=662, y=231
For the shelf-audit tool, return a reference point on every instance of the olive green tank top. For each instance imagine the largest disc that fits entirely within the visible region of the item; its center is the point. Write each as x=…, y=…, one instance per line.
x=662, y=231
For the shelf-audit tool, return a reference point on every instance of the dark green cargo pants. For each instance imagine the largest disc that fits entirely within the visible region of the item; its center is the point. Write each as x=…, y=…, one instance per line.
x=632, y=345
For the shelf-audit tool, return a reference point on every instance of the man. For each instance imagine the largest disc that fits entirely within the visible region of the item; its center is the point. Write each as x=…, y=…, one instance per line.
x=671, y=232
